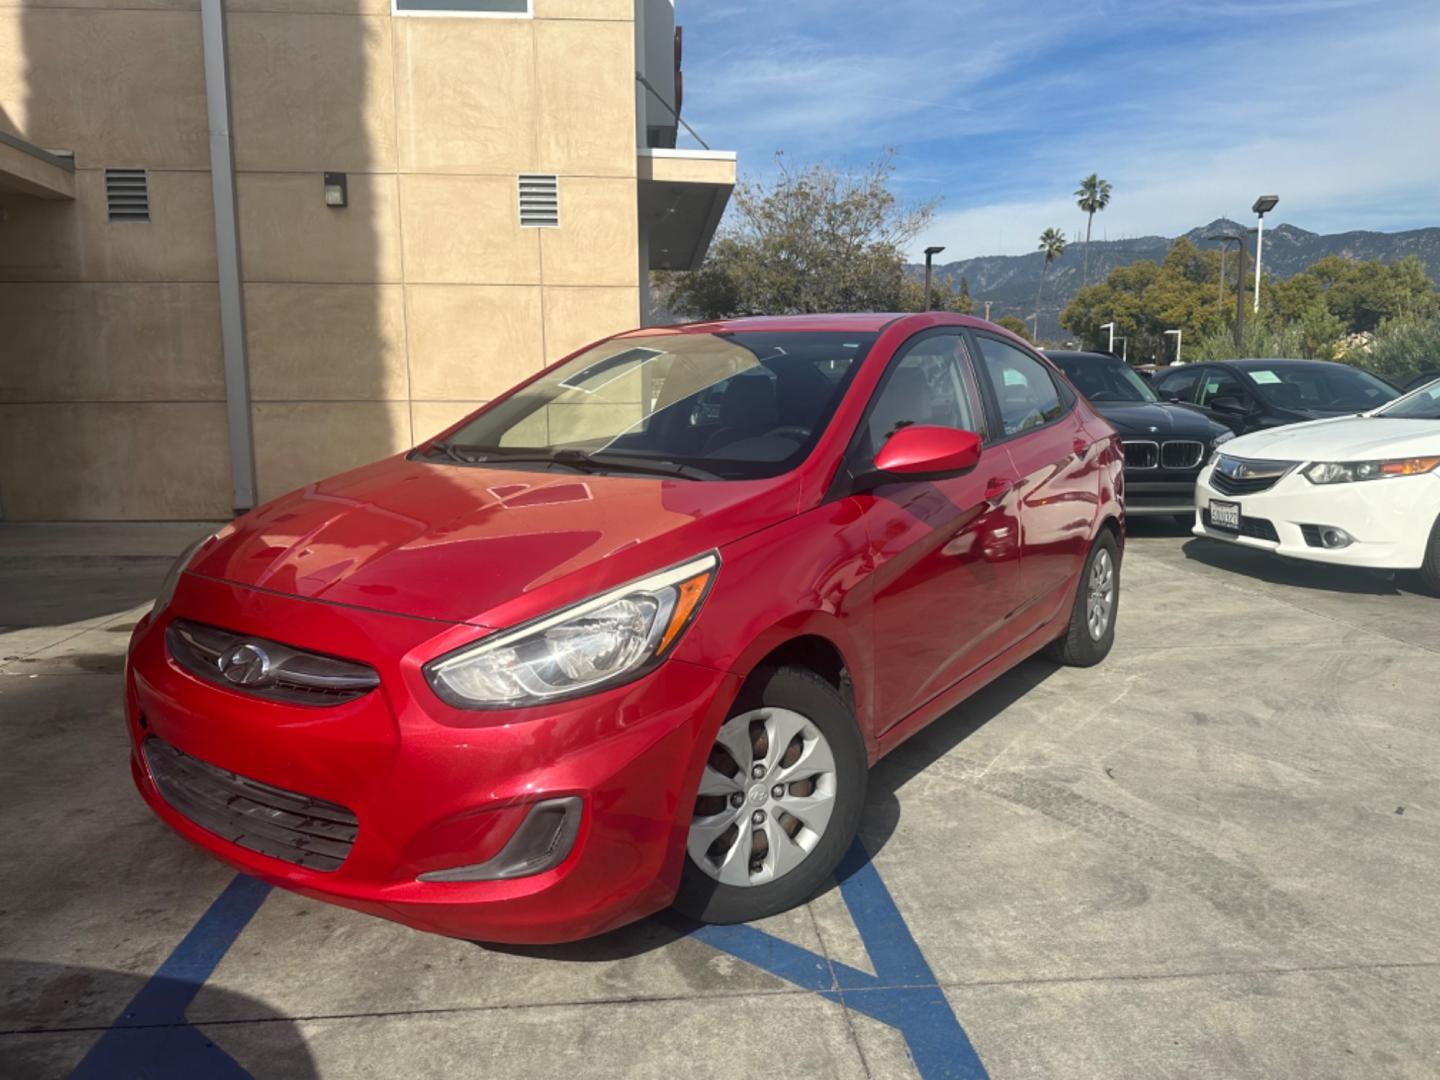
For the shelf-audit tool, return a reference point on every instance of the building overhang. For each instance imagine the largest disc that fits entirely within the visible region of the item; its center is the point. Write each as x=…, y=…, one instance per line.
x=28, y=170
x=683, y=194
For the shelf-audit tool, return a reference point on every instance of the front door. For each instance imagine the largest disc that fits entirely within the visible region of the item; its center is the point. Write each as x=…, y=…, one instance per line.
x=945, y=556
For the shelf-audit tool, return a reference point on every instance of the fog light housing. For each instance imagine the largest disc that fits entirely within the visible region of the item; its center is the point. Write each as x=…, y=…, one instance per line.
x=1331, y=537
x=541, y=843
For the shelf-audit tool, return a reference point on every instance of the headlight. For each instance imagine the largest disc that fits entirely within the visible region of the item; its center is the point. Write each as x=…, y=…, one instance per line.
x=607, y=639
x=1348, y=472
x=1217, y=442
x=172, y=577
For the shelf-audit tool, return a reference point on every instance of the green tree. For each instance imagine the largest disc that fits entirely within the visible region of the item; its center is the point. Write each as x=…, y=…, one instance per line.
x=962, y=302
x=1146, y=298
x=1052, y=246
x=812, y=239
x=1092, y=196
x=1015, y=325
x=1307, y=315
x=1404, y=344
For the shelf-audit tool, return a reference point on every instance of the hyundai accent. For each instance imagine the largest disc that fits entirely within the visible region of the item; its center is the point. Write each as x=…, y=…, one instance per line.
x=632, y=634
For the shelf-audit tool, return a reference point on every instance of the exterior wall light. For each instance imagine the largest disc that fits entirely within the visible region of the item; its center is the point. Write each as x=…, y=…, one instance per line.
x=336, y=193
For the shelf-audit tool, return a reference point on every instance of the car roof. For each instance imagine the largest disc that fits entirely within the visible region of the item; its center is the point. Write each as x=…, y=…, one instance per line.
x=861, y=322
x=1076, y=354
x=1247, y=364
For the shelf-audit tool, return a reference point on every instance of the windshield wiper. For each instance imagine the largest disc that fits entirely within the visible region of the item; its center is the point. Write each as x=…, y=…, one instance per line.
x=573, y=459
x=602, y=461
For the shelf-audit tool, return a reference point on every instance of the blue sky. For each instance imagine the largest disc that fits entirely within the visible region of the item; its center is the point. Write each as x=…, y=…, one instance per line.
x=1190, y=109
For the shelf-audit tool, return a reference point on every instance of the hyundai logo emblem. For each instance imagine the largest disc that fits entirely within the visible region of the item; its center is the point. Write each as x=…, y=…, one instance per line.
x=246, y=664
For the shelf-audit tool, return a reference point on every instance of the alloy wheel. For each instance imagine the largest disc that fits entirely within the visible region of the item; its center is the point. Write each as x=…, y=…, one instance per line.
x=765, y=799
x=1100, y=594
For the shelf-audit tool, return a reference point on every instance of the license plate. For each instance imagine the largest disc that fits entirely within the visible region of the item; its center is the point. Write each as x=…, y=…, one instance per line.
x=1225, y=515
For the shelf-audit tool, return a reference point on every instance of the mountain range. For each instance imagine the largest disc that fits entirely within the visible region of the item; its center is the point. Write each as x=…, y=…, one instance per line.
x=1009, y=282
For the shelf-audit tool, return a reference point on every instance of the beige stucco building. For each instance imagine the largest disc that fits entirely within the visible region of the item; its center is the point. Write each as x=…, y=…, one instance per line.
x=189, y=322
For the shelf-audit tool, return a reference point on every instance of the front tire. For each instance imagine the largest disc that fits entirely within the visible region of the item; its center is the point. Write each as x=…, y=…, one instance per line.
x=1091, y=631
x=779, y=801
x=1428, y=575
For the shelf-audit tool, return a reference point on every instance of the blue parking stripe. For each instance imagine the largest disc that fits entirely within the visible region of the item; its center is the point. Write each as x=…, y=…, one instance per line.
x=902, y=993
x=151, y=1037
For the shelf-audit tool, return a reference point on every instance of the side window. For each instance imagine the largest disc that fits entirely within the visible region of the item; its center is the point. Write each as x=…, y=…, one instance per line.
x=925, y=386
x=1024, y=390
x=1180, y=385
x=1220, y=383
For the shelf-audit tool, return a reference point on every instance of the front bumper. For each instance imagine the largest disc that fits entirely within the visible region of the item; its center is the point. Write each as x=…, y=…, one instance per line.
x=1389, y=520
x=431, y=787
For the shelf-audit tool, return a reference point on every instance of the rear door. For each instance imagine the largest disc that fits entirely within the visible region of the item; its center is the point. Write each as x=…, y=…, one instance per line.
x=945, y=578
x=1056, y=467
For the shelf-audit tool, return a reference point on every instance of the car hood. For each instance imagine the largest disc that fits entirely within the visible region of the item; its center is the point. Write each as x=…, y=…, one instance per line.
x=477, y=544
x=1157, y=420
x=1341, y=438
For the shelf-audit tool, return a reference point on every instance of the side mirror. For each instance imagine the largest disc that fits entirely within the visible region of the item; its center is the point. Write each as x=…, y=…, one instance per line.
x=926, y=452
x=1167, y=395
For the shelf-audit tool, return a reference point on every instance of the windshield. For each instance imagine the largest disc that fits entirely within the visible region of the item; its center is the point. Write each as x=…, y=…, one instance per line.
x=1423, y=404
x=1323, y=387
x=1106, y=380
x=733, y=406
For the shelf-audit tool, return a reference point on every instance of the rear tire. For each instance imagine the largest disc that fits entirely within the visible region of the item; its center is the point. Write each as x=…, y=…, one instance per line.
x=821, y=771
x=1091, y=632
x=1428, y=576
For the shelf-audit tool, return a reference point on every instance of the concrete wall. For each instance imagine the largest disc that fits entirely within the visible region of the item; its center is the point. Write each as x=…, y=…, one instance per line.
x=369, y=327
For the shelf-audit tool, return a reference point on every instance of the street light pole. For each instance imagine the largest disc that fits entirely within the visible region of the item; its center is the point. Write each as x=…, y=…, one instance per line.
x=930, y=253
x=1111, y=327
x=1124, y=349
x=1263, y=205
x=1239, y=242
x=1178, y=334
x=987, y=309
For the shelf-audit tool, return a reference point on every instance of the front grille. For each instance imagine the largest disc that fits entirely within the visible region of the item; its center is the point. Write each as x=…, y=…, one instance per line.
x=1181, y=454
x=1237, y=476
x=1231, y=486
x=277, y=671
x=1256, y=528
x=1142, y=454
x=308, y=832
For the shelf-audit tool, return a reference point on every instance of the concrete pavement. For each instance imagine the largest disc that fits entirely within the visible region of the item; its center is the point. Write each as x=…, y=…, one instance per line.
x=1216, y=854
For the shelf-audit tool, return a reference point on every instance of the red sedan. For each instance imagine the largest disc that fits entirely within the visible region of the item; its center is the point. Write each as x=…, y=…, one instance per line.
x=631, y=634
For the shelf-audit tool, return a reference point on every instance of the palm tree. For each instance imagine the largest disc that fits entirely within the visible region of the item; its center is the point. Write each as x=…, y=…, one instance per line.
x=1093, y=195
x=1052, y=244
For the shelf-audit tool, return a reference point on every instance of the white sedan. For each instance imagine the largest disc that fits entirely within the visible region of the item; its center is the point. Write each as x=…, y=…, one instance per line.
x=1352, y=490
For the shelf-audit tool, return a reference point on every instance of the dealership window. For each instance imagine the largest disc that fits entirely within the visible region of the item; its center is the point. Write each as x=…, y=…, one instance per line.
x=495, y=9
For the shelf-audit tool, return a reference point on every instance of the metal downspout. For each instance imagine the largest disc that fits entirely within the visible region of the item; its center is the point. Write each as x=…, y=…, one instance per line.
x=227, y=253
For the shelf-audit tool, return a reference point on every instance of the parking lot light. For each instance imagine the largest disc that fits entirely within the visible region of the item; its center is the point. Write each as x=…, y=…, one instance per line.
x=1111, y=327
x=930, y=253
x=1178, y=334
x=1263, y=205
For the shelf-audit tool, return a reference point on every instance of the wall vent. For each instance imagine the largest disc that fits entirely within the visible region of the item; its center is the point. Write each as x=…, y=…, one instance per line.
x=539, y=201
x=127, y=194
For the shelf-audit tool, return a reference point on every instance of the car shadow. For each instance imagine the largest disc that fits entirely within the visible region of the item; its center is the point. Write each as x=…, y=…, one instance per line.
x=1278, y=570
x=877, y=824
x=47, y=1013
x=1159, y=525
